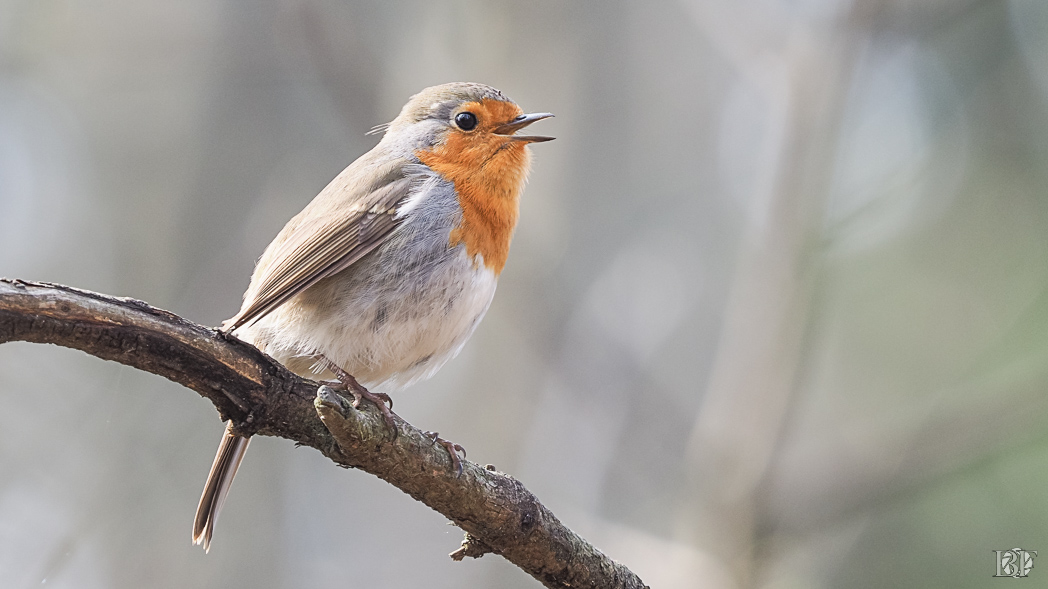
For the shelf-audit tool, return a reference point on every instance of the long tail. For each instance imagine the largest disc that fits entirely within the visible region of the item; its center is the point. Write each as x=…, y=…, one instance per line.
x=227, y=461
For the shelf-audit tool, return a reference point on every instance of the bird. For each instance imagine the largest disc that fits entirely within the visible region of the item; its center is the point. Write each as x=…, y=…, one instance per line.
x=386, y=273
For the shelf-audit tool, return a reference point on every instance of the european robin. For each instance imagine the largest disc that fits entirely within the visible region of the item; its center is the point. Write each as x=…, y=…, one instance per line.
x=383, y=277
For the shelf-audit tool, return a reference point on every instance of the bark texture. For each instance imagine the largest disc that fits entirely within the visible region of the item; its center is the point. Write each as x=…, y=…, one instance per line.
x=263, y=398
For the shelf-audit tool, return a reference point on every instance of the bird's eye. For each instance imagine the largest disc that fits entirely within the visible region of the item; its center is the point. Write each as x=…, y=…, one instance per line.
x=466, y=121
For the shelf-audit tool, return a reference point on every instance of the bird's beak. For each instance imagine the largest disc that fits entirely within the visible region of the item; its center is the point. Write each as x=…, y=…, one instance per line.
x=519, y=123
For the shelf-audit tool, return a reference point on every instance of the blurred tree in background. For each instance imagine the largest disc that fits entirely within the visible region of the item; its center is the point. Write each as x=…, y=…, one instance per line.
x=776, y=313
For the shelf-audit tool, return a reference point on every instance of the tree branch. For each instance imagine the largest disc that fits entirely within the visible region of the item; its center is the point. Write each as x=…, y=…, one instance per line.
x=263, y=398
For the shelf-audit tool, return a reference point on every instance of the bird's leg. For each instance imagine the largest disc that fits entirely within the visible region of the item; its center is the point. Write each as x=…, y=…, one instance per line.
x=452, y=448
x=359, y=392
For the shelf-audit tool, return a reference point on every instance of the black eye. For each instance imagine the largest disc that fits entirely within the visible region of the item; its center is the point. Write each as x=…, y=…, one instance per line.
x=466, y=121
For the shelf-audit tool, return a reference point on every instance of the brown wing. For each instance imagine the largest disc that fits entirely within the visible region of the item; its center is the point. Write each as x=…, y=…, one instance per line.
x=341, y=229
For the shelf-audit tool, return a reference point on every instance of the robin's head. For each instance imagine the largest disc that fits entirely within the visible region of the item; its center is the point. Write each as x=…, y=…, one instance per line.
x=472, y=115
x=465, y=128
x=467, y=133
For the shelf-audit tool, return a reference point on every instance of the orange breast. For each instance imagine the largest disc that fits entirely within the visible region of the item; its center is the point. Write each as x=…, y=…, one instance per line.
x=488, y=172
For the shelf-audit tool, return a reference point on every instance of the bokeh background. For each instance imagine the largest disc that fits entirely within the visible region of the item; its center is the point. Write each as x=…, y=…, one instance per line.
x=776, y=314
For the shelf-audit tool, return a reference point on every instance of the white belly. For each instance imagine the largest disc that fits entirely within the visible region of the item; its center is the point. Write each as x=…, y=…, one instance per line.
x=385, y=322
x=397, y=314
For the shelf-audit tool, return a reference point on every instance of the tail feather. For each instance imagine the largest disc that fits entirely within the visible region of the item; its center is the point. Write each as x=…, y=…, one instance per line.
x=227, y=461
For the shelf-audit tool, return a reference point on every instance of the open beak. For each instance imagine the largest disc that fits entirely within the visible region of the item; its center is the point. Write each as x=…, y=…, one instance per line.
x=510, y=128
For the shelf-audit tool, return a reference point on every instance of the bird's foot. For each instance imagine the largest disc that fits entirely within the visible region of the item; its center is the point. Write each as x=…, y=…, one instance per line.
x=350, y=384
x=452, y=448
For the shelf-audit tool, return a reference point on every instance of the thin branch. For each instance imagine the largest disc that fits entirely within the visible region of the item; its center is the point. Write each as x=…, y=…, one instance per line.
x=263, y=398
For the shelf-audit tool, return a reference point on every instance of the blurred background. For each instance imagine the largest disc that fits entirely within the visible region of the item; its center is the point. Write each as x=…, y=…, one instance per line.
x=776, y=313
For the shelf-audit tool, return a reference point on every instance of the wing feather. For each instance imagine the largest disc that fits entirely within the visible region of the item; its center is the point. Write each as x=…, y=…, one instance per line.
x=304, y=255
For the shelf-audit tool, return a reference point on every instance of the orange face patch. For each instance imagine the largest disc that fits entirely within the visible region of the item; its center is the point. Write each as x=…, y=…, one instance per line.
x=488, y=172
